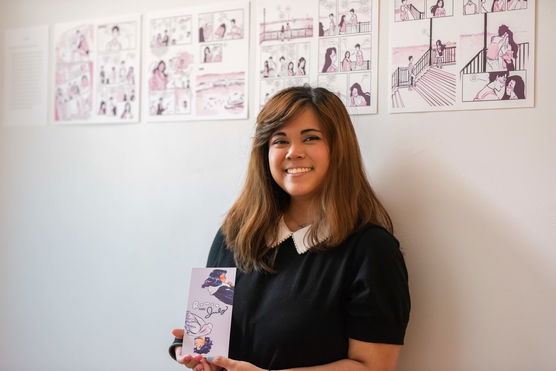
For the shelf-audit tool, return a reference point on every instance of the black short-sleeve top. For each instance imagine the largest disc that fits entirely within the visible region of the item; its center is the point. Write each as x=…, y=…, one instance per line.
x=305, y=314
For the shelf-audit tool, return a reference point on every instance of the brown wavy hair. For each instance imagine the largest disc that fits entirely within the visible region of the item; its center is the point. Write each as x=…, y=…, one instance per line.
x=346, y=202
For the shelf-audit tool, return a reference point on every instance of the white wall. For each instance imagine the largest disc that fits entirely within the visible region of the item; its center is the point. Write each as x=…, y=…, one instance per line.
x=99, y=225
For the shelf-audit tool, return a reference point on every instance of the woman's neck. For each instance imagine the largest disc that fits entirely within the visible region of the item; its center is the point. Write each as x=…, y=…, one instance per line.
x=299, y=214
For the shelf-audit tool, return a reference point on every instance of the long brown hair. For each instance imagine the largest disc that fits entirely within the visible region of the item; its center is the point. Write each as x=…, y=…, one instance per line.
x=347, y=201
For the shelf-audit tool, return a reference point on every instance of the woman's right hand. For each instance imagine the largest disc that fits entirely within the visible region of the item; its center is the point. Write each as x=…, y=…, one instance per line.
x=185, y=359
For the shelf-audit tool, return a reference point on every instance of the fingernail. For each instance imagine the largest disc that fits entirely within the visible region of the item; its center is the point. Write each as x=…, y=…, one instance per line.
x=198, y=358
x=210, y=358
x=187, y=358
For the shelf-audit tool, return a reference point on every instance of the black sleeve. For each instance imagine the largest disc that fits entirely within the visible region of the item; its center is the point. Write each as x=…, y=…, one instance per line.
x=378, y=302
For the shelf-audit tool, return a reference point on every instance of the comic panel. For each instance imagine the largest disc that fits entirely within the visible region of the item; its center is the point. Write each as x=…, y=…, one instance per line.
x=268, y=88
x=211, y=53
x=424, y=65
x=359, y=91
x=224, y=25
x=162, y=103
x=471, y=7
x=328, y=18
x=356, y=53
x=411, y=10
x=354, y=16
x=285, y=21
x=285, y=60
x=328, y=55
x=170, y=31
x=115, y=37
x=73, y=92
x=220, y=94
x=494, y=86
x=338, y=84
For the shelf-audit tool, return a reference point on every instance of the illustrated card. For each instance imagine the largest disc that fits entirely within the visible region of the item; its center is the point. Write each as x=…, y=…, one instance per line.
x=209, y=312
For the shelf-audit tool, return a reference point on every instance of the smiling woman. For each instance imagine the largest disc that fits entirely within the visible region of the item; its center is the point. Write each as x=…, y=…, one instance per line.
x=321, y=281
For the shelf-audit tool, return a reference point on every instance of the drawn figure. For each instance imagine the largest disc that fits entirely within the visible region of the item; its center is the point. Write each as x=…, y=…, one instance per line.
x=438, y=9
x=131, y=76
x=196, y=326
x=439, y=49
x=470, y=7
x=502, y=50
x=517, y=4
x=495, y=88
x=159, y=78
x=290, y=69
x=515, y=88
x=282, y=33
x=127, y=111
x=202, y=344
x=342, y=26
x=358, y=97
x=160, y=108
x=112, y=108
x=483, y=6
x=114, y=44
x=359, y=61
x=207, y=55
x=218, y=287
x=235, y=31
x=353, y=20
x=102, y=108
x=83, y=46
x=283, y=67
x=220, y=31
x=266, y=69
x=498, y=6
x=330, y=60
x=404, y=11
x=321, y=29
x=301, y=67
x=102, y=75
x=271, y=66
x=332, y=26
x=288, y=34
x=411, y=72
x=346, y=62
x=122, y=73
x=201, y=34
x=165, y=39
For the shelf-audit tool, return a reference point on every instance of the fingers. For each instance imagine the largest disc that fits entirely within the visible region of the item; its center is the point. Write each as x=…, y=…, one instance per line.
x=178, y=332
x=205, y=365
x=224, y=362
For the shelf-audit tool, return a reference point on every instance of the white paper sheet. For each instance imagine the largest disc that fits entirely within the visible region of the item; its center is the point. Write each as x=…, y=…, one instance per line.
x=96, y=71
x=26, y=76
x=468, y=54
x=196, y=63
x=327, y=43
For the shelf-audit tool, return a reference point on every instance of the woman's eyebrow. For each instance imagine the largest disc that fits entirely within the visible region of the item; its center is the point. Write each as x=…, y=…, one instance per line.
x=308, y=130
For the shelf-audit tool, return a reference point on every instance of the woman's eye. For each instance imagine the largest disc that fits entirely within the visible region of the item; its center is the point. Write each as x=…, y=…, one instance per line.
x=311, y=138
x=279, y=141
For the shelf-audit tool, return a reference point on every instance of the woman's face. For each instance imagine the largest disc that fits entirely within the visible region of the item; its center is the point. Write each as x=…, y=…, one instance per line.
x=354, y=92
x=302, y=63
x=222, y=277
x=162, y=66
x=199, y=342
x=510, y=87
x=347, y=55
x=299, y=156
x=333, y=54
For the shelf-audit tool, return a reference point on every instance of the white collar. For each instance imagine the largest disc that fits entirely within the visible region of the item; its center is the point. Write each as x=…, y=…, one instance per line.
x=299, y=237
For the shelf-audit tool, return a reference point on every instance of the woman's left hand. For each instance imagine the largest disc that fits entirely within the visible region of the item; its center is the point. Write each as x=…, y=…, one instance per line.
x=230, y=365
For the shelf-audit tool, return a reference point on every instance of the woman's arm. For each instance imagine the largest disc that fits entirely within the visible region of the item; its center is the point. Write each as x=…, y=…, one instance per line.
x=362, y=356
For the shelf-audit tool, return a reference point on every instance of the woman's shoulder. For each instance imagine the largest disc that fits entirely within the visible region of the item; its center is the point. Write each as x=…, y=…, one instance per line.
x=372, y=239
x=220, y=255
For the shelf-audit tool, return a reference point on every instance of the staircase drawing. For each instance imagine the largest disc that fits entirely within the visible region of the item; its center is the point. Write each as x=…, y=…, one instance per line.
x=435, y=86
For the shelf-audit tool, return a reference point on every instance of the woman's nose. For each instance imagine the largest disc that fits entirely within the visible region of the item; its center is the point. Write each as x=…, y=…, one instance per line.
x=295, y=152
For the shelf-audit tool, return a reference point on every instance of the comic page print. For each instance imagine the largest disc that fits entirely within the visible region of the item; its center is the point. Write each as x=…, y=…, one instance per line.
x=218, y=26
